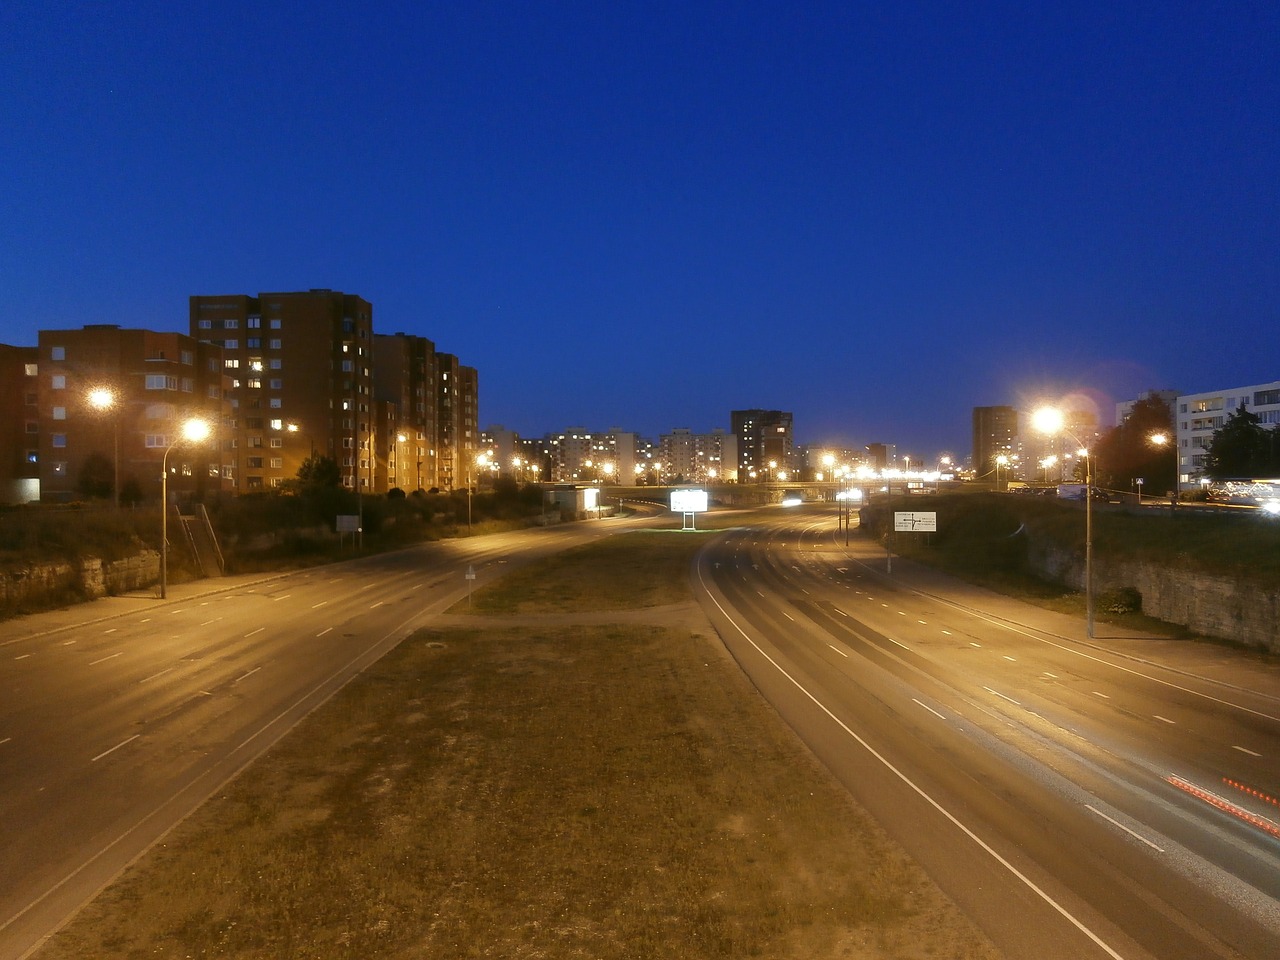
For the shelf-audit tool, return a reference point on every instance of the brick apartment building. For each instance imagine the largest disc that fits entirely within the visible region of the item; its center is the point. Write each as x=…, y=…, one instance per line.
x=300, y=370
x=120, y=396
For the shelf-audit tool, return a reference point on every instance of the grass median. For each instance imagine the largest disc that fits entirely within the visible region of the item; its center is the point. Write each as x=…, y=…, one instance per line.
x=535, y=787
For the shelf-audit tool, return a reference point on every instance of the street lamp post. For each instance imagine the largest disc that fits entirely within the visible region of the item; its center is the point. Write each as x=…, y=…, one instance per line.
x=1001, y=461
x=104, y=399
x=193, y=431
x=1159, y=440
x=1050, y=421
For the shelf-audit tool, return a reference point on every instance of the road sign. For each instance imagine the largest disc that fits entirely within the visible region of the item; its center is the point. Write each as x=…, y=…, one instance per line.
x=915, y=522
x=471, y=572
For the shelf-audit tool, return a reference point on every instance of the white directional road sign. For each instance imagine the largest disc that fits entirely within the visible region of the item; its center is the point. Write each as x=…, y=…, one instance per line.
x=915, y=522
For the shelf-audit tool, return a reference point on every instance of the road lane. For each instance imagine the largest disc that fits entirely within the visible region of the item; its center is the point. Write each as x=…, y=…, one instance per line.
x=1064, y=778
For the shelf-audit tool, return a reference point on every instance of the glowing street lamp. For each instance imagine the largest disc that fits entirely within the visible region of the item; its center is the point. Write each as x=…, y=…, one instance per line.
x=1159, y=440
x=192, y=431
x=1001, y=461
x=104, y=399
x=1050, y=421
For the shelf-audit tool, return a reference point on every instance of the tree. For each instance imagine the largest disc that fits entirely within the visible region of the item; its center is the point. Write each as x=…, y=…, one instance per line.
x=1127, y=452
x=1241, y=448
x=97, y=477
x=319, y=473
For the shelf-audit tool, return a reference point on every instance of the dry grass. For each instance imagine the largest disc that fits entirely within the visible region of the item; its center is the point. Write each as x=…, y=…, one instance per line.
x=569, y=791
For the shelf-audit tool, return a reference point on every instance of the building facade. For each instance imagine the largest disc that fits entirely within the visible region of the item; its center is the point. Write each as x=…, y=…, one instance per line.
x=300, y=370
x=20, y=428
x=995, y=434
x=765, y=441
x=110, y=406
x=405, y=375
x=1198, y=415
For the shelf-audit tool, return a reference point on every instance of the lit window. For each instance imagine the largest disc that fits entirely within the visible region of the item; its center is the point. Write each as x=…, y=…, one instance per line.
x=57, y=353
x=59, y=413
x=58, y=382
x=59, y=439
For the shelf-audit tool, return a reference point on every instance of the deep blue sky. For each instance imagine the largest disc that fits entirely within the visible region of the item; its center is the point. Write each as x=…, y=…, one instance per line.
x=647, y=214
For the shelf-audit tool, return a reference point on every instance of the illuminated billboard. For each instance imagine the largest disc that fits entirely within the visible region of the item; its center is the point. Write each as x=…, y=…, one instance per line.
x=689, y=501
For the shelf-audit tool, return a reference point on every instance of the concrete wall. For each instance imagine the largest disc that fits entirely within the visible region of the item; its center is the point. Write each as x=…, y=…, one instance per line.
x=1219, y=607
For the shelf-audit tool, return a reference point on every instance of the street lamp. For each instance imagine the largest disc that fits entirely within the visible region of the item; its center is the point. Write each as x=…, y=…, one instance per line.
x=104, y=399
x=1159, y=440
x=193, y=431
x=1050, y=421
x=1001, y=461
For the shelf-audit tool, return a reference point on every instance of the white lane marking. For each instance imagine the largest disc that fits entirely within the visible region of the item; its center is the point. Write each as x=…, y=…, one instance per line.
x=1245, y=750
x=112, y=630
x=1116, y=823
x=375, y=606
x=1099, y=693
x=154, y=675
x=946, y=633
x=788, y=616
x=918, y=790
x=838, y=650
x=841, y=612
x=252, y=632
x=145, y=620
x=22, y=656
x=207, y=622
x=929, y=708
x=278, y=599
x=69, y=643
x=1010, y=659
x=972, y=644
x=898, y=642
x=324, y=631
x=1164, y=719
x=94, y=663
x=5, y=740
x=759, y=594
x=247, y=675
x=115, y=748
x=997, y=693
x=320, y=604
x=1051, y=676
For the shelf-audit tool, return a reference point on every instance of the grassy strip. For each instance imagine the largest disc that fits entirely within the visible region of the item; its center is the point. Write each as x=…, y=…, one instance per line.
x=623, y=572
x=569, y=791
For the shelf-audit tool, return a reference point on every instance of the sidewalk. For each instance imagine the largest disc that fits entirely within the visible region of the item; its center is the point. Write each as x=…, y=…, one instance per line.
x=126, y=604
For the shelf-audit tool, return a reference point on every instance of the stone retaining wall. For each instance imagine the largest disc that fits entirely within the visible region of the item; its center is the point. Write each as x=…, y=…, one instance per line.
x=90, y=578
x=1219, y=607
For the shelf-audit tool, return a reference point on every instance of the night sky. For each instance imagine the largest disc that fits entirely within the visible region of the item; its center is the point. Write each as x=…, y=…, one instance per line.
x=645, y=215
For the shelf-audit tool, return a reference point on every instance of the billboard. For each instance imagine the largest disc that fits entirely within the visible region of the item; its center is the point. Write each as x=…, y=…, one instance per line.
x=689, y=501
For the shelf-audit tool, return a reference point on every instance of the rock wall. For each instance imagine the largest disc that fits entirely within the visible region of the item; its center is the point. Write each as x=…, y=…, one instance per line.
x=1212, y=606
x=43, y=583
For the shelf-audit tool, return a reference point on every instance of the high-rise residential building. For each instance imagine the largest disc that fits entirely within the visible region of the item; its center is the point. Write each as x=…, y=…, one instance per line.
x=688, y=457
x=20, y=427
x=301, y=383
x=111, y=402
x=457, y=430
x=765, y=443
x=405, y=375
x=995, y=434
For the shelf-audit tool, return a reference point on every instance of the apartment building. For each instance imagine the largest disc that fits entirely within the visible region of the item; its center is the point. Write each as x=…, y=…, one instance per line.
x=300, y=371
x=995, y=434
x=688, y=457
x=112, y=399
x=20, y=428
x=405, y=375
x=1198, y=415
x=765, y=443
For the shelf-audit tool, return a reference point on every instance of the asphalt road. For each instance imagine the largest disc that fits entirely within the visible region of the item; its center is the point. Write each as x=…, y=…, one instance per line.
x=1079, y=799
x=118, y=718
